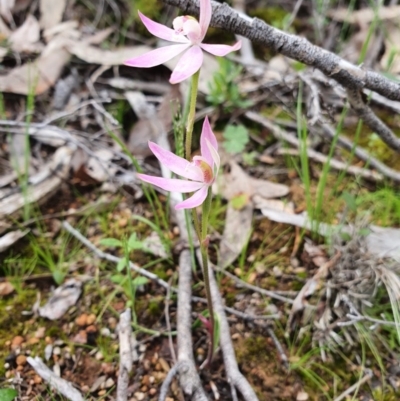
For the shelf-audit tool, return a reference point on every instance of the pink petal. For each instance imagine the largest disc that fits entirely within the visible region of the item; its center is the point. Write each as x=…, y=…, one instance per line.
x=221, y=50
x=161, y=31
x=176, y=164
x=156, y=57
x=207, y=134
x=189, y=64
x=205, y=16
x=215, y=157
x=195, y=200
x=171, y=184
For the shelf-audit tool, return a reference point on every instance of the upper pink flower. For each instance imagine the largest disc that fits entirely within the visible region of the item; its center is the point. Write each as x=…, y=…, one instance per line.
x=190, y=33
x=200, y=173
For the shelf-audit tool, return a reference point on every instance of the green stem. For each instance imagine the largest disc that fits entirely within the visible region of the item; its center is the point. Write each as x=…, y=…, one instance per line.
x=192, y=113
x=204, y=257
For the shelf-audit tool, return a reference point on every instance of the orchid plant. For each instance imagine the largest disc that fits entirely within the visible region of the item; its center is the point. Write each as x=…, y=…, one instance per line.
x=190, y=34
x=200, y=172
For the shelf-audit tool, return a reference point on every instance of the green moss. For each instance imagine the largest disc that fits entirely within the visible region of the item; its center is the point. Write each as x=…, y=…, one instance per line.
x=12, y=322
x=155, y=307
x=274, y=16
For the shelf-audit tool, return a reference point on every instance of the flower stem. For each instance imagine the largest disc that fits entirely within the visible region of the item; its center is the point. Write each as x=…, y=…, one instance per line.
x=192, y=111
x=204, y=257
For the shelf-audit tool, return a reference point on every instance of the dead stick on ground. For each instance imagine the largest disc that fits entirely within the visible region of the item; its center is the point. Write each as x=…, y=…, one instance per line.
x=372, y=120
x=362, y=154
x=62, y=386
x=114, y=259
x=125, y=354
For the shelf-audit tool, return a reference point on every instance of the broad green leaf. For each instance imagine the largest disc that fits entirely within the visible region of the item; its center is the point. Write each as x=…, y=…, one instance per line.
x=8, y=394
x=140, y=280
x=134, y=243
x=121, y=264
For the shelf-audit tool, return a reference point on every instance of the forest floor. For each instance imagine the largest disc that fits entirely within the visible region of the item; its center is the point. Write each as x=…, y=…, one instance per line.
x=305, y=231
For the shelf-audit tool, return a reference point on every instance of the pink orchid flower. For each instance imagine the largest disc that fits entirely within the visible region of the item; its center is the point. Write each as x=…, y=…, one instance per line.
x=200, y=174
x=190, y=33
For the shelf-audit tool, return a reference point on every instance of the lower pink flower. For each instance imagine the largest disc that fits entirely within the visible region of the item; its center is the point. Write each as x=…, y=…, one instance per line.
x=200, y=174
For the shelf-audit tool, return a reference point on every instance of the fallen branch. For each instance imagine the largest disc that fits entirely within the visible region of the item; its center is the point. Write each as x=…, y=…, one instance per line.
x=153, y=277
x=281, y=135
x=373, y=121
x=107, y=256
x=362, y=154
x=254, y=288
x=62, y=386
x=125, y=354
x=335, y=164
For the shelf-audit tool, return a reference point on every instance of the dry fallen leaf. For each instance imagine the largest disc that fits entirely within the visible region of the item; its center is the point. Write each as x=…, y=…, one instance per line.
x=5, y=9
x=26, y=37
x=95, y=55
x=236, y=233
x=61, y=300
x=151, y=123
x=51, y=12
x=237, y=181
x=19, y=153
x=99, y=166
x=6, y=288
x=39, y=75
x=8, y=7
x=11, y=238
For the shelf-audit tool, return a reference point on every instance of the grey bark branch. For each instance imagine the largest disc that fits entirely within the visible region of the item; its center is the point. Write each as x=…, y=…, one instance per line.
x=295, y=47
x=369, y=117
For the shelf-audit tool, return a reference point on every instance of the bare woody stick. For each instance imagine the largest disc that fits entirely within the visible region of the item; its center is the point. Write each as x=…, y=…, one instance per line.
x=125, y=354
x=62, y=386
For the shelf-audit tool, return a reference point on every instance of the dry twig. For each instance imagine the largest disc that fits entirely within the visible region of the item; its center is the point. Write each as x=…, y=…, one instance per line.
x=59, y=384
x=125, y=354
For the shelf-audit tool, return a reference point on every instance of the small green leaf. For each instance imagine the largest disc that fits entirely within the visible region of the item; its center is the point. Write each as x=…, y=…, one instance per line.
x=236, y=138
x=111, y=242
x=118, y=278
x=140, y=280
x=8, y=394
x=350, y=201
x=134, y=243
x=122, y=264
x=240, y=201
x=58, y=277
